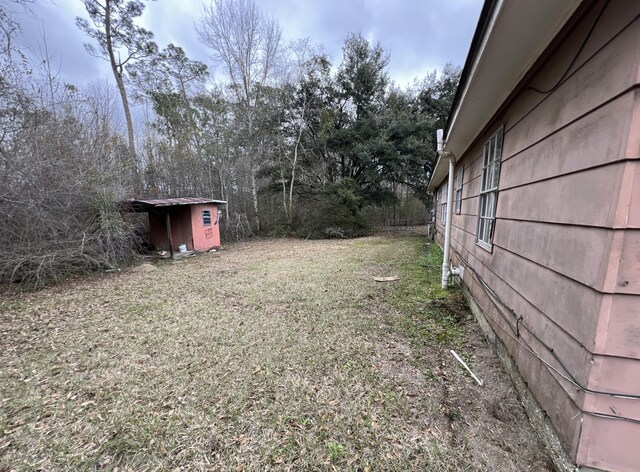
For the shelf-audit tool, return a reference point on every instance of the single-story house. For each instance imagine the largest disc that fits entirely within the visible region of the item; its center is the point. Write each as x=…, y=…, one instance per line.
x=173, y=222
x=537, y=192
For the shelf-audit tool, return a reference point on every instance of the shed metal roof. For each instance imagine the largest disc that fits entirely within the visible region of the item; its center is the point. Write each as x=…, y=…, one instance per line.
x=164, y=202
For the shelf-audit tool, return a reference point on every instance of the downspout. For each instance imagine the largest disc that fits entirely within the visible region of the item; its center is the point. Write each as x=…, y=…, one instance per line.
x=446, y=269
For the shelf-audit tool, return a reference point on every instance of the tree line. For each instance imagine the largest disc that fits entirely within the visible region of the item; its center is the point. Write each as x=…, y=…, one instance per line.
x=296, y=143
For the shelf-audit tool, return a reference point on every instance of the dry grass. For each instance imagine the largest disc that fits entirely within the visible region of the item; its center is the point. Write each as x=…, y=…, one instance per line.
x=270, y=355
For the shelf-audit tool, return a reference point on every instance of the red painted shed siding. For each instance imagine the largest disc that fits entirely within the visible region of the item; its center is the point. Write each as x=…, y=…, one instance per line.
x=187, y=227
x=205, y=237
x=566, y=245
x=180, y=227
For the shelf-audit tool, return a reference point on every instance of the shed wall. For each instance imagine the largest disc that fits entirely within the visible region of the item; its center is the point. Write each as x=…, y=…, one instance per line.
x=205, y=237
x=566, y=245
x=180, y=227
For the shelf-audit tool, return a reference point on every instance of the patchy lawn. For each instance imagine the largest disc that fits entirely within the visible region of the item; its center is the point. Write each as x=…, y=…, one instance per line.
x=279, y=354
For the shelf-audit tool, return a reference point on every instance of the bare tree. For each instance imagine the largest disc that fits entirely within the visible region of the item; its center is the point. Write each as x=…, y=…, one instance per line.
x=304, y=56
x=119, y=40
x=49, y=71
x=247, y=43
x=65, y=173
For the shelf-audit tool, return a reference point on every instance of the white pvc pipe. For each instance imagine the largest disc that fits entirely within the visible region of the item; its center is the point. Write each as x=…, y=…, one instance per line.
x=464, y=364
x=447, y=227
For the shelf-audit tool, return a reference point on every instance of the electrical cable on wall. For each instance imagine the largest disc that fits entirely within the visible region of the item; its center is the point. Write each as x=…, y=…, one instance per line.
x=550, y=368
x=575, y=58
x=495, y=299
x=565, y=75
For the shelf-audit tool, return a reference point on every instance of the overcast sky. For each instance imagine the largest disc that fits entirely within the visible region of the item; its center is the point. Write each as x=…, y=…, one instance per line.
x=420, y=35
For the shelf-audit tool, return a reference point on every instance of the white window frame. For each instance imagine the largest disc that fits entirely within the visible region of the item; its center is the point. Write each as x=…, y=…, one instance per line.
x=457, y=188
x=491, y=159
x=443, y=203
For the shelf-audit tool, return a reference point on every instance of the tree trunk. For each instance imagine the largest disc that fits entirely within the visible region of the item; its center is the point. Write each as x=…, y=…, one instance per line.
x=127, y=111
x=223, y=186
x=254, y=196
x=284, y=196
x=293, y=175
x=117, y=74
x=252, y=171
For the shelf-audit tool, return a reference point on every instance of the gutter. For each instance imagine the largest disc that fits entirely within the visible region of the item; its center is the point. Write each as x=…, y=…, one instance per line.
x=485, y=23
x=486, y=15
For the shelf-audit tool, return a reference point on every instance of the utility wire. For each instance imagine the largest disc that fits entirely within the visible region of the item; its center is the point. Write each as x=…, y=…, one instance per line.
x=495, y=299
x=552, y=368
x=561, y=374
x=575, y=58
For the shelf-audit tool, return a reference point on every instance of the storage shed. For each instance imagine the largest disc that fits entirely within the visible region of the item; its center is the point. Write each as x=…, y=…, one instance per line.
x=191, y=221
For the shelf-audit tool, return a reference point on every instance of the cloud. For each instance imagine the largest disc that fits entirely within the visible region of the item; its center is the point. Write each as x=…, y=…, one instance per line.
x=50, y=30
x=419, y=35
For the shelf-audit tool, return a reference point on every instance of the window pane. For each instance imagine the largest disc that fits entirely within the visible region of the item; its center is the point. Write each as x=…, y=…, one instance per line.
x=491, y=202
x=459, y=178
x=492, y=157
x=486, y=202
x=490, y=176
x=485, y=175
x=482, y=230
x=495, y=174
x=493, y=149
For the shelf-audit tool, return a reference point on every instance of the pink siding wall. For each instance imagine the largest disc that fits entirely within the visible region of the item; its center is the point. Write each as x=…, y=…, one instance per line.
x=187, y=227
x=566, y=245
x=205, y=237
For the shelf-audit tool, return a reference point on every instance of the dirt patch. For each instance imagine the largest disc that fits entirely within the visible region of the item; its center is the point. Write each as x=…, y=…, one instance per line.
x=270, y=355
x=144, y=268
x=486, y=426
x=490, y=420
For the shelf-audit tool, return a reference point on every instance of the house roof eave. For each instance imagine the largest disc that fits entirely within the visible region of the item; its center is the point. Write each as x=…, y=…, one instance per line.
x=496, y=64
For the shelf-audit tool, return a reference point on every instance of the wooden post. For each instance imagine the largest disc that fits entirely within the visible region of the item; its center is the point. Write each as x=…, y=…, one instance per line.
x=168, y=224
